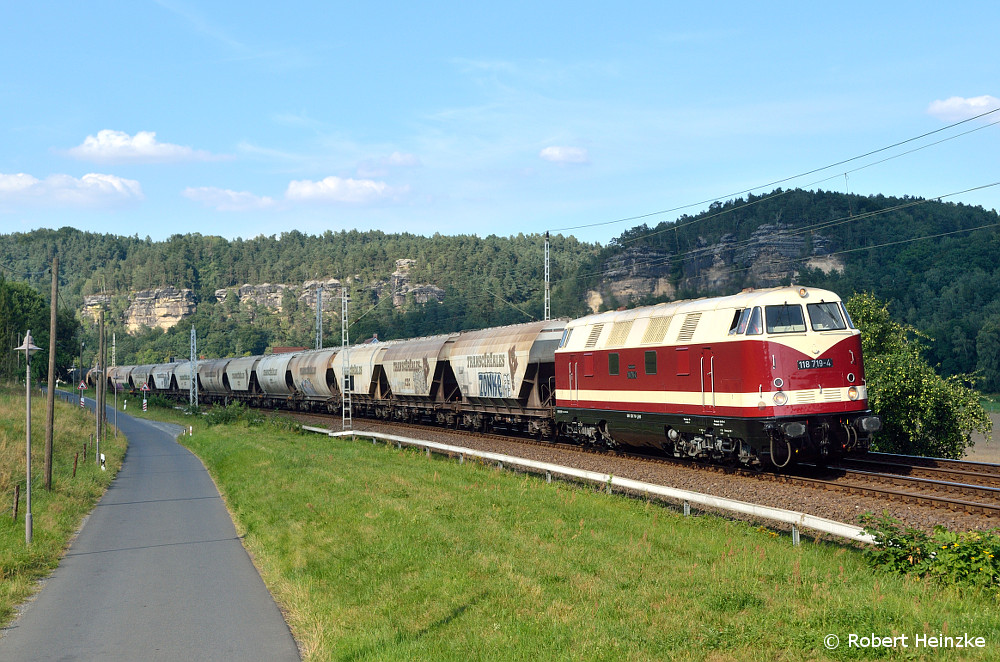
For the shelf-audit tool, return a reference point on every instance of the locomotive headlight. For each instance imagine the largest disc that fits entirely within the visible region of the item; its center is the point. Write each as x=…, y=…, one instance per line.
x=780, y=398
x=853, y=393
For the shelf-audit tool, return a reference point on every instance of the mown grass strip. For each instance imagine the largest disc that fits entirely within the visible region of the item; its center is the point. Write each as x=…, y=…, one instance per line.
x=57, y=514
x=376, y=553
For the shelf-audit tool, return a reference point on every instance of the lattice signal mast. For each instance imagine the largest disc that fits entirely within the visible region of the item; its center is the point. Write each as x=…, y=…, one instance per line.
x=319, y=317
x=193, y=389
x=548, y=306
x=346, y=421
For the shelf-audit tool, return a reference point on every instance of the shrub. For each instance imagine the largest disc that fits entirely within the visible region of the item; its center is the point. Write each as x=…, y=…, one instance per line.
x=964, y=559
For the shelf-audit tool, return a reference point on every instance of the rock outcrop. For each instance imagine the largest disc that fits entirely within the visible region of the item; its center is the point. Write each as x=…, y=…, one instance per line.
x=401, y=286
x=772, y=254
x=93, y=304
x=162, y=308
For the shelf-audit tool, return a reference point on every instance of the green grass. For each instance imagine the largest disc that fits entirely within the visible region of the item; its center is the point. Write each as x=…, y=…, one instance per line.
x=57, y=514
x=375, y=553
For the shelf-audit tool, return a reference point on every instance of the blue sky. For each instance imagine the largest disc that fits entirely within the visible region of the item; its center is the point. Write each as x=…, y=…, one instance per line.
x=241, y=119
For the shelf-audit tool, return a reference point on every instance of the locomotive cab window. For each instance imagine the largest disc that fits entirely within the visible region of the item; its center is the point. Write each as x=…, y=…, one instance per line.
x=753, y=326
x=744, y=319
x=847, y=315
x=737, y=316
x=785, y=319
x=613, y=363
x=825, y=317
x=651, y=362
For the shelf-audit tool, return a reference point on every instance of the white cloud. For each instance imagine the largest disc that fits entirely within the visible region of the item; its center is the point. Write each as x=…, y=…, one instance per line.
x=13, y=184
x=336, y=189
x=565, y=155
x=227, y=200
x=380, y=167
x=93, y=190
x=110, y=146
x=958, y=108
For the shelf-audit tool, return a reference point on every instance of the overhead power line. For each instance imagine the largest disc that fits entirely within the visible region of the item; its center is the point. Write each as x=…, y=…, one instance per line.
x=696, y=252
x=797, y=176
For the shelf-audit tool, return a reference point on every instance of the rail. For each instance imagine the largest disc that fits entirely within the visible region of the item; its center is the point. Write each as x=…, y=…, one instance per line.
x=796, y=519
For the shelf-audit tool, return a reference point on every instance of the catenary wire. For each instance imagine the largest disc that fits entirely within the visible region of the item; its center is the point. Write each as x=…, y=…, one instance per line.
x=786, y=179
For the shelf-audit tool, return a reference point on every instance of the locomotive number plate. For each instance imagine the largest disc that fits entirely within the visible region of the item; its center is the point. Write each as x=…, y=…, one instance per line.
x=808, y=364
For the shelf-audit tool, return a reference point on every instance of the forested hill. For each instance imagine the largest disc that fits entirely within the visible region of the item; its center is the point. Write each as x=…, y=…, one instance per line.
x=926, y=258
x=936, y=264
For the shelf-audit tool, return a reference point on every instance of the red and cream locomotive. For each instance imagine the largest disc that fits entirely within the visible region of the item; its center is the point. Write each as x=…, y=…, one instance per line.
x=770, y=375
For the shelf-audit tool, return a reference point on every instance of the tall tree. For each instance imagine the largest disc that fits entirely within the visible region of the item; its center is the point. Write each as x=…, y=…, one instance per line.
x=922, y=413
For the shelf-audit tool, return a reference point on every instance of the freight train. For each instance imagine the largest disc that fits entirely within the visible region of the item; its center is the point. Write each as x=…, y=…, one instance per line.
x=764, y=378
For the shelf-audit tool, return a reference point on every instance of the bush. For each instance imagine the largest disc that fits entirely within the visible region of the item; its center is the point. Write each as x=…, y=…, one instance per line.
x=159, y=401
x=922, y=413
x=962, y=559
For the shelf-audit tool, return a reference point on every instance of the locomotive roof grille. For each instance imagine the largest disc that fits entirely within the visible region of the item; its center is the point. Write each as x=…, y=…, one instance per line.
x=656, y=331
x=619, y=333
x=687, y=329
x=595, y=333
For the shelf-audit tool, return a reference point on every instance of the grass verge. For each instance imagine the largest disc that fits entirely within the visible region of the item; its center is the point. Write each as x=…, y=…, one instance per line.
x=56, y=514
x=376, y=553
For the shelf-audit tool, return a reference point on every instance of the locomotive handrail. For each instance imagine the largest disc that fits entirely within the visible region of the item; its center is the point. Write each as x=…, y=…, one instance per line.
x=796, y=519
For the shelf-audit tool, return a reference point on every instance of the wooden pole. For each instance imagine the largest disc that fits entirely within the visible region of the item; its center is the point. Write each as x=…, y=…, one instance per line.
x=51, y=399
x=98, y=392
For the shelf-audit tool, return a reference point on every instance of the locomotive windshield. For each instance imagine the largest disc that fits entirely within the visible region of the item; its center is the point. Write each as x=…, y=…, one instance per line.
x=825, y=317
x=785, y=319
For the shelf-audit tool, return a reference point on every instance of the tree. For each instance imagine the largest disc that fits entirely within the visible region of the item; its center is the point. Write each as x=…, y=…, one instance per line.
x=922, y=413
x=988, y=351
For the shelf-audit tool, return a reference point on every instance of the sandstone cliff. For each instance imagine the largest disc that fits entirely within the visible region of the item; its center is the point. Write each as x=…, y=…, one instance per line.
x=772, y=254
x=158, y=308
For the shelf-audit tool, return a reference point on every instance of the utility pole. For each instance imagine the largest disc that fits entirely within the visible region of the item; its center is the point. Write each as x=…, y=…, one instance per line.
x=50, y=404
x=99, y=394
x=114, y=364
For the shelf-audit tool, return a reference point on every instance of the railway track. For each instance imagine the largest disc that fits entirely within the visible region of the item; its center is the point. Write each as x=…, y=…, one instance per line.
x=972, y=488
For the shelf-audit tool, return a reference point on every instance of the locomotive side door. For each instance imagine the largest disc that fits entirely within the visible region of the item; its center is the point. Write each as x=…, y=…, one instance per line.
x=707, y=380
x=573, y=379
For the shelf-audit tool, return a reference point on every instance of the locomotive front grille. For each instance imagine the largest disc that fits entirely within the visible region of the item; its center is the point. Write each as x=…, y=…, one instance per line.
x=805, y=397
x=832, y=395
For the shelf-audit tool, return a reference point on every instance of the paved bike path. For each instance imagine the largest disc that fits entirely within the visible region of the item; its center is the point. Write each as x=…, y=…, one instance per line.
x=156, y=573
